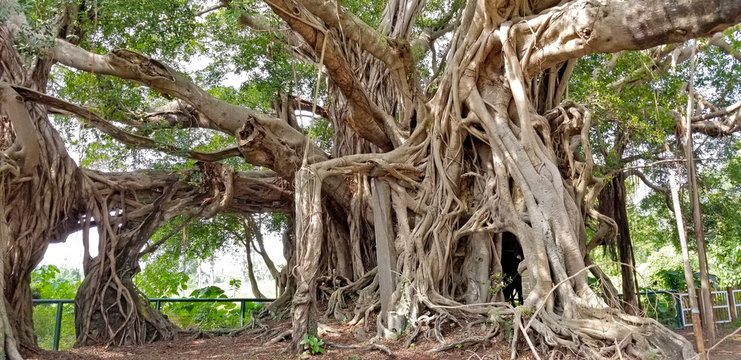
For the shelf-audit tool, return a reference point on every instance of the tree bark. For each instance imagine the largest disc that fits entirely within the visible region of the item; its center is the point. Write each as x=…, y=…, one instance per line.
x=109, y=308
x=40, y=202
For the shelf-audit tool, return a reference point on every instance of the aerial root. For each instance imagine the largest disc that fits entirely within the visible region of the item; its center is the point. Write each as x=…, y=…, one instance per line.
x=337, y=303
x=278, y=308
x=605, y=334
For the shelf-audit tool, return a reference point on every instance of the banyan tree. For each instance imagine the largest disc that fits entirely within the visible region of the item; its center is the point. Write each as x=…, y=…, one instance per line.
x=456, y=161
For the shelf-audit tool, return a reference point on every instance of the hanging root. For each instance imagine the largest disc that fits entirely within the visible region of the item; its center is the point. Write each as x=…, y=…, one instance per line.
x=363, y=290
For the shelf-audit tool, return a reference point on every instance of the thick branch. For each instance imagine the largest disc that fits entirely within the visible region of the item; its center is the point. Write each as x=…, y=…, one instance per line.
x=103, y=125
x=367, y=119
x=722, y=44
x=25, y=149
x=358, y=31
x=264, y=140
x=587, y=27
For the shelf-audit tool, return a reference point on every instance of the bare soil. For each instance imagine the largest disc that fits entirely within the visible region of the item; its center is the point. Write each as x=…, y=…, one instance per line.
x=252, y=347
x=728, y=349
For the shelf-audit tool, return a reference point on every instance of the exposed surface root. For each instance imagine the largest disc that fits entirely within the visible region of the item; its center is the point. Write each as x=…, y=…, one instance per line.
x=280, y=337
x=379, y=347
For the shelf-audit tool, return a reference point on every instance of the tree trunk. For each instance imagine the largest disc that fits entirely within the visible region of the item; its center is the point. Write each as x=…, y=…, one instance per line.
x=537, y=172
x=116, y=314
x=708, y=318
x=493, y=152
x=110, y=310
x=8, y=342
x=40, y=196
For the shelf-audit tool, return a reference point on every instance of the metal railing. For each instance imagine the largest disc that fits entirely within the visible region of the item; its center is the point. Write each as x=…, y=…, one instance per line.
x=157, y=305
x=676, y=302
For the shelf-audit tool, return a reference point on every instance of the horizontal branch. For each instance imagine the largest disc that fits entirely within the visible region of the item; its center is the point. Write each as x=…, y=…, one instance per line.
x=142, y=142
x=721, y=112
x=254, y=191
x=585, y=27
x=263, y=140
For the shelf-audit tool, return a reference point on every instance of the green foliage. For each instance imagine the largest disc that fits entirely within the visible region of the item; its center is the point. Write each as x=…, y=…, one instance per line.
x=499, y=282
x=663, y=308
x=210, y=315
x=313, y=345
x=721, y=202
x=50, y=282
x=322, y=133
x=159, y=280
x=162, y=28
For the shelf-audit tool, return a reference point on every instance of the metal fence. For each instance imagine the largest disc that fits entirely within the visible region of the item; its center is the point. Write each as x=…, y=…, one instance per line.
x=157, y=305
x=726, y=306
x=661, y=305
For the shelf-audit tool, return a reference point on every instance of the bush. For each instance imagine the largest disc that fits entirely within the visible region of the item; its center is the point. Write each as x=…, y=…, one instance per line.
x=208, y=316
x=50, y=282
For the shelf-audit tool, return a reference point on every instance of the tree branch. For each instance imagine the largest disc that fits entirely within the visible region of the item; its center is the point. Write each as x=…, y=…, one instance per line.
x=722, y=44
x=26, y=148
x=367, y=119
x=263, y=140
x=649, y=183
x=585, y=27
x=210, y=9
x=353, y=28
x=103, y=125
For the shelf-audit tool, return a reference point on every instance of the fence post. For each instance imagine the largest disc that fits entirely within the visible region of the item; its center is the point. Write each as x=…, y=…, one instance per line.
x=678, y=308
x=731, y=305
x=157, y=305
x=241, y=313
x=58, y=326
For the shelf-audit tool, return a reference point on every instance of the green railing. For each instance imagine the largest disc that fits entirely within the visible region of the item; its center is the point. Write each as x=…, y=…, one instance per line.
x=157, y=304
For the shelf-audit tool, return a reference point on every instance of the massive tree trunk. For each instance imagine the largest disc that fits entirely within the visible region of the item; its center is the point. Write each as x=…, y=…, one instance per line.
x=498, y=124
x=40, y=186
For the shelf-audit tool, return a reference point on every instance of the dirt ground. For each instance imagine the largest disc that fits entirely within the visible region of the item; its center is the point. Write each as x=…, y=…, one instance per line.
x=252, y=347
x=728, y=349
